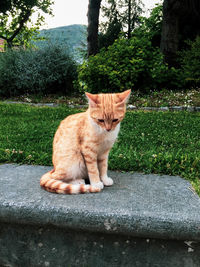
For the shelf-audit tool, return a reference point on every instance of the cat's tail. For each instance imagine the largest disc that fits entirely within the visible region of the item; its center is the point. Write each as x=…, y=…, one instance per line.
x=60, y=187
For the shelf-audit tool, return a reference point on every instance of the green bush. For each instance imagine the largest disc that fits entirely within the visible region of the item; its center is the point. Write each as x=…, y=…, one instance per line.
x=47, y=70
x=190, y=63
x=132, y=63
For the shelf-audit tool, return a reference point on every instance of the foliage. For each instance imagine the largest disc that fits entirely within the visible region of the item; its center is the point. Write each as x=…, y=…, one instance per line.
x=190, y=63
x=121, y=16
x=16, y=23
x=46, y=70
x=135, y=63
x=132, y=63
x=109, y=30
x=151, y=27
x=155, y=142
x=167, y=98
x=164, y=98
x=112, y=33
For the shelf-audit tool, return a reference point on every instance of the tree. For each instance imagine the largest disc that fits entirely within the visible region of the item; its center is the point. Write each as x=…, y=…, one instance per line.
x=5, y=5
x=151, y=27
x=130, y=17
x=112, y=27
x=112, y=33
x=122, y=12
x=181, y=19
x=16, y=25
x=93, y=25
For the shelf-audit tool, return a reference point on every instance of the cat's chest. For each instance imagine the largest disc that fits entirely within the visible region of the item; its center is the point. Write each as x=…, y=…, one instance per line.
x=108, y=139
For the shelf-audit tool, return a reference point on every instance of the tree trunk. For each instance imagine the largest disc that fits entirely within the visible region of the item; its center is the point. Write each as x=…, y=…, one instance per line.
x=93, y=24
x=169, y=36
x=181, y=20
x=129, y=19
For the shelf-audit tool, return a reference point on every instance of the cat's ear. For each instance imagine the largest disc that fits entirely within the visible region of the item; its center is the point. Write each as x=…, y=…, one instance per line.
x=92, y=99
x=123, y=97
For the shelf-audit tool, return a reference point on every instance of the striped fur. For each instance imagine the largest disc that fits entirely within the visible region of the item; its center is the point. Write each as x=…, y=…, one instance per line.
x=81, y=146
x=56, y=186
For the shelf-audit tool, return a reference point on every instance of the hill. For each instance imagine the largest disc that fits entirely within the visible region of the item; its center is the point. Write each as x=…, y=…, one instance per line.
x=72, y=36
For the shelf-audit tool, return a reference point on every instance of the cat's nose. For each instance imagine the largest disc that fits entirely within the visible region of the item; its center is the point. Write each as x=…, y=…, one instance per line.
x=108, y=129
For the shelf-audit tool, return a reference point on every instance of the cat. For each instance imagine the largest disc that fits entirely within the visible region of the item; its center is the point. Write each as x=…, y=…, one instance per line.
x=82, y=143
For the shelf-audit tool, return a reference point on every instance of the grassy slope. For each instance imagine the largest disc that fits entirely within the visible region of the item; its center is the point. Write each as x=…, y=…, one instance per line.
x=149, y=141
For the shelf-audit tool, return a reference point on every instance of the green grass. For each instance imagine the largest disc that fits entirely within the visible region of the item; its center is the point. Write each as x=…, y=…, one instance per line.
x=150, y=142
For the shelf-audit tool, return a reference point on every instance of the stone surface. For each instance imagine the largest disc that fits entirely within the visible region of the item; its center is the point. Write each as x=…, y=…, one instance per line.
x=131, y=107
x=164, y=109
x=190, y=109
x=177, y=108
x=141, y=221
x=147, y=206
x=149, y=108
x=27, y=245
x=33, y=104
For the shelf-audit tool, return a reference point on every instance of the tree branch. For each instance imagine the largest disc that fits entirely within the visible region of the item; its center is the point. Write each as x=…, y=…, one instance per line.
x=2, y=37
x=21, y=24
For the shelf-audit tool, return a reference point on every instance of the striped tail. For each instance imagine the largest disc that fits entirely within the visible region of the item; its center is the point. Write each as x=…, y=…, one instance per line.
x=59, y=187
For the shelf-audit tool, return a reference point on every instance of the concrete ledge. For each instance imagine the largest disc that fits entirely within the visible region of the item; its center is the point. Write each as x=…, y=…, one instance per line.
x=137, y=208
x=138, y=205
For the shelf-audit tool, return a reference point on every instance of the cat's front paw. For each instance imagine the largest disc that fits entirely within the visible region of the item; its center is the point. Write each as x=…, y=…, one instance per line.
x=98, y=185
x=107, y=181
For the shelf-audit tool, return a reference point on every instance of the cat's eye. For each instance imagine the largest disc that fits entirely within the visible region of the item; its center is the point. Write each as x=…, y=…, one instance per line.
x=115, y=120
x=101, y=120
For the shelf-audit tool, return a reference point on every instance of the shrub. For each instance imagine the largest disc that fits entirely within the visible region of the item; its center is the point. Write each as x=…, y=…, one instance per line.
x=47, y=70
x=190, y=63
x=127, y=64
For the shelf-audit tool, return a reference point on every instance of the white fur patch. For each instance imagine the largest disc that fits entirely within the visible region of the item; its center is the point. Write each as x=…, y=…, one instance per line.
x=98, y=185
x=77, y=181
x=109, y=139
x=112, y=135
x=107, y=181
x=77, y=171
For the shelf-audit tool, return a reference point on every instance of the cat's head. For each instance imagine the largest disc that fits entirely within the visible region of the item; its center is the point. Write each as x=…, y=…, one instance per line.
x=108, y=110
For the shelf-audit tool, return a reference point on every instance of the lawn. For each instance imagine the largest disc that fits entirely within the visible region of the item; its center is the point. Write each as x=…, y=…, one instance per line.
x=150, y=142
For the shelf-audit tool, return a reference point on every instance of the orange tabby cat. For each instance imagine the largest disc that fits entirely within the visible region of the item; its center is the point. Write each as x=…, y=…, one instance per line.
x=82, y=143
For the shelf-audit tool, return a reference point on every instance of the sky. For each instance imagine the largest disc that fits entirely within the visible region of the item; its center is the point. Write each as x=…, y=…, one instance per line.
x=68, y=12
